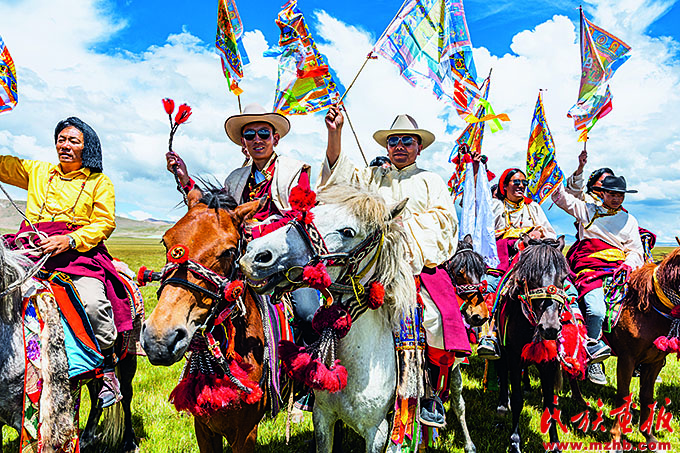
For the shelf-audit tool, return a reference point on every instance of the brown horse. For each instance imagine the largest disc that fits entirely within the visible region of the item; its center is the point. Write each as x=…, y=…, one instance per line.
x=467, y=269
x=643, y=319
x=210, y=234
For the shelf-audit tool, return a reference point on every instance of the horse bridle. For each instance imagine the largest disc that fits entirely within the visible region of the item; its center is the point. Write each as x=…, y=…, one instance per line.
x=551, y=292
x=472, y=288
x=220, y=305
x=349, y=261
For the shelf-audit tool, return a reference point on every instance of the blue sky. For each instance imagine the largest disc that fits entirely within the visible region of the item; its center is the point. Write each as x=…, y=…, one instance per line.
x=110, y=62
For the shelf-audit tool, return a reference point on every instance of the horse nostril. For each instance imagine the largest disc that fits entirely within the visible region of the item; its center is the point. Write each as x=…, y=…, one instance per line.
x=180, y=341
x=263, y=257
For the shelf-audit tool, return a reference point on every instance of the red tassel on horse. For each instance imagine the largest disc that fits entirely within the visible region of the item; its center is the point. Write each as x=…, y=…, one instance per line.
x=376, y=295
x=316, y=276
x=539, y=352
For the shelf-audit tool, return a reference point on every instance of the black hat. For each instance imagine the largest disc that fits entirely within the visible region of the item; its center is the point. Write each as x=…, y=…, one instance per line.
x=92, y=149
x=615, y=184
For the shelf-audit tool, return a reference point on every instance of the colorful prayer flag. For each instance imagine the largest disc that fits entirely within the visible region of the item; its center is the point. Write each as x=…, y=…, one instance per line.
x=305, y=82
x=230, y=45
x=8, y=80
x=429, y=42
x=543, y=173
x=601, y=55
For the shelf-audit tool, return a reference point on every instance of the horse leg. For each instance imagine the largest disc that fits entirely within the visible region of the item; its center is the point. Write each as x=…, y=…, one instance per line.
x=526, y=380
x=208, y=441
x=576, y=394
x=548, y=372
x=458, y=406
x=127, y=367
x=323, y=430
x=503, y=395
x=376, y=437
x=516, y=400
x=89, y=438
x=648, y=375
x=624, y=373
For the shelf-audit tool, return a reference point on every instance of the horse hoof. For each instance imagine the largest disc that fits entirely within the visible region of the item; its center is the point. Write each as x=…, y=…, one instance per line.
x=470, y=449
x=502, y=411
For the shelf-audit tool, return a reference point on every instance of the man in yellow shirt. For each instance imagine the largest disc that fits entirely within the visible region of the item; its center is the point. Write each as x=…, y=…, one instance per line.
x=73, y=204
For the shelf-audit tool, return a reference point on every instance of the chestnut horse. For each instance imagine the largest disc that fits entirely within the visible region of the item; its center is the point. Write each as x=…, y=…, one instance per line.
x=210, y=234
x=644, y=318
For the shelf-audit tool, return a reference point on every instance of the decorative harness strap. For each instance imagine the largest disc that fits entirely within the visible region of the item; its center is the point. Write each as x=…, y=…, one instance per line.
x=551, y=292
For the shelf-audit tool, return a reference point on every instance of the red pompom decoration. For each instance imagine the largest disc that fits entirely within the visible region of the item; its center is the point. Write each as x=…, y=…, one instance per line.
x=539, y=352
x=302, y=198
x=178, y=254
x=141, y=276
x=300, y=365
x=316, y=277
x=574, y=351
x=674, y=344
x=675, y=312
x=332, y=317
x=169, y=105
x=234, y=290
x=376, y=295
x=661, y=343
x=183, y=114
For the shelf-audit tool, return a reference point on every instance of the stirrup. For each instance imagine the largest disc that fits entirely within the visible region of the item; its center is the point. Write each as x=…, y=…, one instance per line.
x=488, y=348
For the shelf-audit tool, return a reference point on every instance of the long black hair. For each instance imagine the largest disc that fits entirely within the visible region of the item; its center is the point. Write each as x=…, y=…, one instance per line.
x=503, y=181
x=92, y=148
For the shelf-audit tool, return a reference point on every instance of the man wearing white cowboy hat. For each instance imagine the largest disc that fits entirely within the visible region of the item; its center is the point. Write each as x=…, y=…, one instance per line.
x=431, y=226
x=608, y=250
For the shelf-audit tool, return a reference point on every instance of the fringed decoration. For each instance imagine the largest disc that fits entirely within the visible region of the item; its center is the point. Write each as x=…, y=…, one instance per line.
x=316, y=365
x=206, y=389
x=671, y=342
x=302, y=198
x=316, y=277
x=539, y=351
x=376, y=295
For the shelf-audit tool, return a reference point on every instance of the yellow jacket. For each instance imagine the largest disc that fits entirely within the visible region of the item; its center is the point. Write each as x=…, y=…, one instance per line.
x=78, y=197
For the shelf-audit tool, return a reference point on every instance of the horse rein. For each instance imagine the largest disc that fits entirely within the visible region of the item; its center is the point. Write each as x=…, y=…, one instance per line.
x=468, y=289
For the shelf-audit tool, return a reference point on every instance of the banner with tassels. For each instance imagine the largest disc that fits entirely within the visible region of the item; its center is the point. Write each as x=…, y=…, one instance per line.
x=230, y=45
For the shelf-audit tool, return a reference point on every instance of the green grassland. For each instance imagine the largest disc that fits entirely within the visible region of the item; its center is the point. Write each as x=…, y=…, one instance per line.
x=161, y=429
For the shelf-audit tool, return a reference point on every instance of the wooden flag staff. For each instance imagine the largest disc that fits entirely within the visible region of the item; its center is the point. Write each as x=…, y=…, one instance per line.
x=355, y=134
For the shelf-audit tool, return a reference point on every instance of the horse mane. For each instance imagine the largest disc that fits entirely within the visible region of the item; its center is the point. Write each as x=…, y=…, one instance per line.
x=395, y=272
x=216, y=197
x=641, y=285
x=13, y=267
x=541, y=256
x=466, y=258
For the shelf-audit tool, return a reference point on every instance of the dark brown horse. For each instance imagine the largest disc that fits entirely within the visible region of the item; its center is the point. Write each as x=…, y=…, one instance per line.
x=467, y=269
x=210, y=233
x=643, y=319
x=538, y=279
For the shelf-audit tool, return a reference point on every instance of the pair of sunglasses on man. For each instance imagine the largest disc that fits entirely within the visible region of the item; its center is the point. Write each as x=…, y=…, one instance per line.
x=249, y=134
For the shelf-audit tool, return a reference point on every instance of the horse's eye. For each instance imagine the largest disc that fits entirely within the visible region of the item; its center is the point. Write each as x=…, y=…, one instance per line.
x=348, y=232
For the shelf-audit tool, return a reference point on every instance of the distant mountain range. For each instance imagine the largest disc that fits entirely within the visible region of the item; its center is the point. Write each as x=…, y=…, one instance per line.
x=10, y=220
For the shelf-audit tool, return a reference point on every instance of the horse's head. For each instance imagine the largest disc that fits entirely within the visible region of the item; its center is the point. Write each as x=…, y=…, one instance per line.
x=346, y=221
x=202, y=249
x=467, y=270
x=539, y=277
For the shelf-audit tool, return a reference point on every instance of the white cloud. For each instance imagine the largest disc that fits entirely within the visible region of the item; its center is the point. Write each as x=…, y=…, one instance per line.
x=119, y=95
x=139, y=215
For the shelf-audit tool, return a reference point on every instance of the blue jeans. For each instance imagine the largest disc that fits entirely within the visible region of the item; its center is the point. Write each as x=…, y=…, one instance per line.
x=595, y=311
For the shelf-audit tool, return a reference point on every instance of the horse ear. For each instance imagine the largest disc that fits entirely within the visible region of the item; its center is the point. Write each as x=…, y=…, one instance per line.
x=677, y=239
x=468, y=239
x=560, y=243
x=193, y=197
x=246, y=211
x=398, y=209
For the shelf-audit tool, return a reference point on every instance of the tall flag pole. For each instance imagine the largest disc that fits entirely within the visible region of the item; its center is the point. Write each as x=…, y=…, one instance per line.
x=601, y=55
x=8, y=80
x=305, y=83
x=230, y=45
x=543, y=173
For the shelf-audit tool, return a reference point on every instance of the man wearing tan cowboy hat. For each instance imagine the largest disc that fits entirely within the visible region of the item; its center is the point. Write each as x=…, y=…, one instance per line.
x=267, y=175
x=609, y=249
x=431, y=226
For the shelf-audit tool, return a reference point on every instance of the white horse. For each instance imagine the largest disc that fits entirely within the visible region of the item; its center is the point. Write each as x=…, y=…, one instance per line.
x=346, y=219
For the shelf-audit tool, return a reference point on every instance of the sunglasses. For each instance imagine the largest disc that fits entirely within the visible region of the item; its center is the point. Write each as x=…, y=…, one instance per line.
x=394, y=141
x=263, y=133
x=519, y=182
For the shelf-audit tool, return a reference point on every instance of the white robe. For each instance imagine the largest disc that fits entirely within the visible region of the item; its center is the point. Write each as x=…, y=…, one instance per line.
x=528, y=216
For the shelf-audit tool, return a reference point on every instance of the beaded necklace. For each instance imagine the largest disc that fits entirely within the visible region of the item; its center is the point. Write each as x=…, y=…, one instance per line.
x=516, y=207
x=72, y=209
